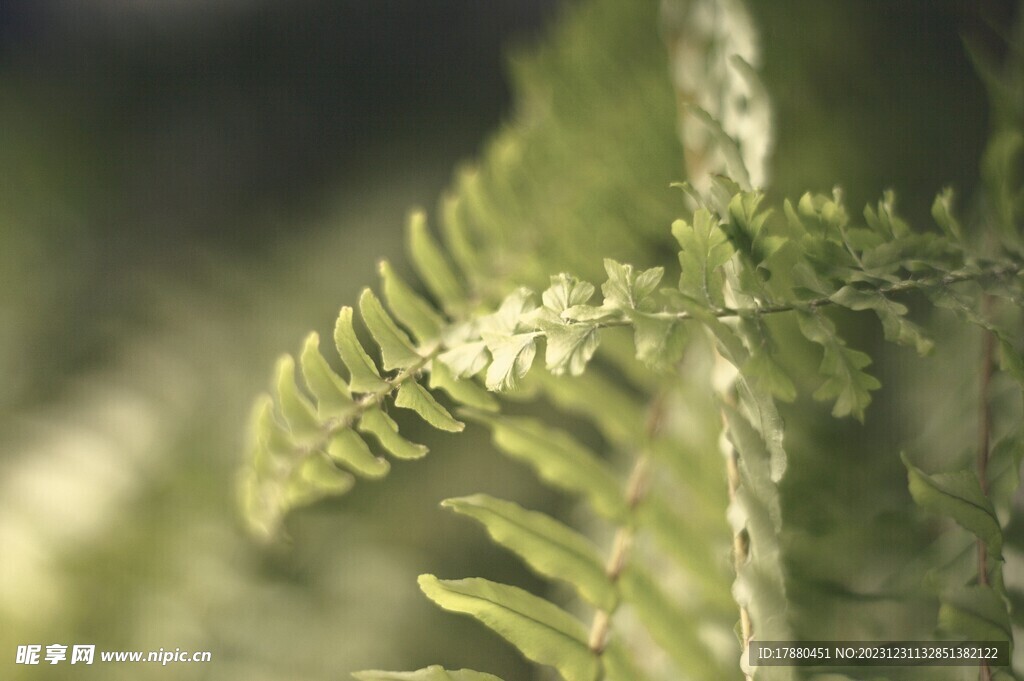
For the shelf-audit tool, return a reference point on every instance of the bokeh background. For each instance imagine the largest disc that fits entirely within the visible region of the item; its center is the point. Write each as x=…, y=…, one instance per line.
x=187, y=187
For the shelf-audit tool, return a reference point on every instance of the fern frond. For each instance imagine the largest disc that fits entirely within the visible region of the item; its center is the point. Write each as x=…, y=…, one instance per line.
x=309, y=445
x=543, y=632
x=713, y=46
x=551, y=548
x=749, y=276
x=323, y=431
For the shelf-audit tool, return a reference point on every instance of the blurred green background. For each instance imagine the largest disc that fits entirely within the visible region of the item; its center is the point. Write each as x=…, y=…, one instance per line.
x=186, y=188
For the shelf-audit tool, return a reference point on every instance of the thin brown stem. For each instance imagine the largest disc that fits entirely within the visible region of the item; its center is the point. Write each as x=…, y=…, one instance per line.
x=365, y=404
x=984, y=441
x=921, y=284
x=759, y=310
x=636, y=488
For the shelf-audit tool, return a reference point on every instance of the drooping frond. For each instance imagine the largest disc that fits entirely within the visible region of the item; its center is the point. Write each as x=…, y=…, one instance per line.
x=315, y=442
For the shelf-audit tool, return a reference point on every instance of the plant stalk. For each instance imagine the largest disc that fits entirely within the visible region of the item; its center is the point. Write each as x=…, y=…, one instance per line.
x=636, y=488
x=984, y=441
x=740, y=540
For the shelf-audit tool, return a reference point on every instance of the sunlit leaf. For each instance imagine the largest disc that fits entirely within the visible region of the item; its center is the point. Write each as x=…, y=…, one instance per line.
x=543, y=632
x=417, y=398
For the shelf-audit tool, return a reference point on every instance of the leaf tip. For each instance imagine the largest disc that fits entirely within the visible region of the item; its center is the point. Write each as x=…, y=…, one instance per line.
x=312, y=341
x=345, y=314
x=285, y=363
x=428, y=584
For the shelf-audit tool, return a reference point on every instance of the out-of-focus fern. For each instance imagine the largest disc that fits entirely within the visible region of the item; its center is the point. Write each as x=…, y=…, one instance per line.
x=647, y=566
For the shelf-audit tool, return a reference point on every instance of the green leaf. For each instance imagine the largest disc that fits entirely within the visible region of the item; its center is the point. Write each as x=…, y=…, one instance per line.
x=431, y=264
x=827, y=217
x=350, y=450
x=512, y=350
x=885, y=221
x=975, y=613
x=270, y=435
x=1001, y=171
x=548, y=546
x=511, y=316
x=417, y=398
x=722, y=191
x=397, y=351
x=1011, y=361
x=758, y=474
x=566, y=291
x=755, y=509
x=658, y=341
x=363, y=376
x=462, y=391
x=704, y=250
x=959, y=496
x=1003, y=470
x=296, y=409
x=262, y=514
x=383, y=427
x=842, y=367
x=466, y=359
x=314, y=479
x=456, y=227
x=626, y=289
x=512, y=357
x=332, y=393
x=570, y=347
x=432, y=673
x=745, y=228
x=409, y=308
x=897, y=328
x=942, y=212
x=540, y=630
x=766, y=375
x=559, y=460
x=792, y=218
x=730, y=148
x=764, y=416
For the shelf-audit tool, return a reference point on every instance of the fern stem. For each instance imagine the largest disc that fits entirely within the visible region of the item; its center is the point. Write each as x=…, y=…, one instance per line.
x=984, y=438
x=369, y=401
x=636, y=488
x=924, y=283
x=617, y=559
x=740, y=540
x=984, y=433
